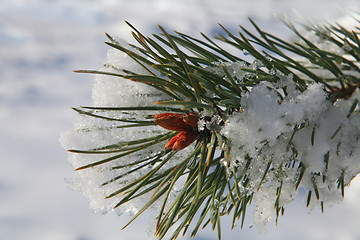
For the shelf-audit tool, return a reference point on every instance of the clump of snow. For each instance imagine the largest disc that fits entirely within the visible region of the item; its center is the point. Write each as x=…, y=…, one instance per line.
x=209, y=120
x=289, y=129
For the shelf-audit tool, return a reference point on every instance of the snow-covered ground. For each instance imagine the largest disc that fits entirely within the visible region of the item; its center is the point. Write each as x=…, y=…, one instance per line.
x=42, y=41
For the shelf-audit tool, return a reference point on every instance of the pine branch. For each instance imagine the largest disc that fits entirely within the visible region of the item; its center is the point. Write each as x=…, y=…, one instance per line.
x=220, y=175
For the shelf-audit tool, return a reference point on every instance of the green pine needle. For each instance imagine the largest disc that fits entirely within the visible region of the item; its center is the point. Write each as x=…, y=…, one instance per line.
x=178, y=65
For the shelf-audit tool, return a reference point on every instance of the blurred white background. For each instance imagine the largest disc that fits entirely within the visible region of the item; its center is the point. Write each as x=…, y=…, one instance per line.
x=42, y=41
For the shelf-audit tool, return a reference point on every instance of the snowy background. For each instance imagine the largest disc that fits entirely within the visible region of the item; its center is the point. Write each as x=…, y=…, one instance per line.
x=42, y=41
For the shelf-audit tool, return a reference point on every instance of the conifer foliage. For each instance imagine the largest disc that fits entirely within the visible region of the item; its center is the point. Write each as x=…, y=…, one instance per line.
x=195, y=132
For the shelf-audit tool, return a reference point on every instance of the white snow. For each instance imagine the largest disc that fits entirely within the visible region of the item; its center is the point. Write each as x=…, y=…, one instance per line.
x=42, y=41
x=263, y=131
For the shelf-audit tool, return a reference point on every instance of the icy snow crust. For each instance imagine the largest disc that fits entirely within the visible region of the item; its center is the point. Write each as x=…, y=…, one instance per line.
x=263, y=130
x=285, y=128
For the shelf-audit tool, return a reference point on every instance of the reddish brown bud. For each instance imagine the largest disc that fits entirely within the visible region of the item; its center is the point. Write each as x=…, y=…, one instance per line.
x=185, y=124
x=344, y=92
x=191, y=119
x=171, y=121
x=181, y=140
x=172, y=141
